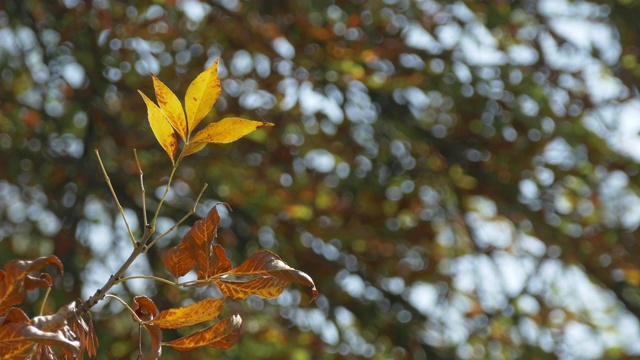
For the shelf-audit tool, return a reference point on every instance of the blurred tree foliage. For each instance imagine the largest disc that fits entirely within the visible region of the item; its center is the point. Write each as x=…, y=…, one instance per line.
x=460, y=178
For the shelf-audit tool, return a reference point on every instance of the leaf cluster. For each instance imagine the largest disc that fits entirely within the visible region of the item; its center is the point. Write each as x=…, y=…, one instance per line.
x=69, y=333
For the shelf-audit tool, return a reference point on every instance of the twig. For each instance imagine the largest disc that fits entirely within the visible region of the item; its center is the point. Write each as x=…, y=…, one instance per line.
x=113, y=192
x=191, y=212
x=146, y=277
x=144, y=203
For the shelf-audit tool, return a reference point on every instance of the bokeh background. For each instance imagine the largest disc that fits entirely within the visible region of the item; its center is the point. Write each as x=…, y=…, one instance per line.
x=460, y=178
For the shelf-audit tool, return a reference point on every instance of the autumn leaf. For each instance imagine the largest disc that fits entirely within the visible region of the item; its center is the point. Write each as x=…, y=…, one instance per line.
x=145, y=308
x=263, y=264
x=176, y=318
x=161, y=128
x=210, y=258
x=15, y=279
x=19, y=338
x=201, y=95
x=266, y=287
x=178, y=260
x=228, y=130
x=171, y=107
x=222, y=335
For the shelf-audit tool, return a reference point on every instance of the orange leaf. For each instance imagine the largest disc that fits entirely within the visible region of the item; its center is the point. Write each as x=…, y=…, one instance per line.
x=266, y=263
x=171, y=107
x=209, y=257
x=222, y=335
x=145, y=308
x=228, y=130
x=178, y=260
x=161, y=128
x=204, y=310
x=266, y=287
x=201, y=95
x=13, y=279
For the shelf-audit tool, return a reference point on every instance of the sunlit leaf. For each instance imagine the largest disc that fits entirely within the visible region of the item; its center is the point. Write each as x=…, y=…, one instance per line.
x=222, y=335
x=209, y=257
x=201, y=95
x=192, y=148
x=228, y=130
x=171, y=107
x=15, y=275
x=266, y=287
x=161, y=128
x=176, y=318
x=266, y=263
x=178, y=260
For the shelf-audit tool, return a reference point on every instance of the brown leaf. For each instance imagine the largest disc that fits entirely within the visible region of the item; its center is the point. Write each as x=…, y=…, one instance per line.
x=176, y=318
x=145, y=308
x=178, y=260
x=20, y=339
x=266, y=263
x=201, y=95
x=156, y=341
x=210, y=258
x=266, y=287
x=228, y=130
x=171, y=107
x=222, y=335
x=12, y=280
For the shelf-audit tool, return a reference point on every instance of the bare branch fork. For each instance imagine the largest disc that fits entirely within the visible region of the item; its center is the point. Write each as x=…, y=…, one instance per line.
x=139, y=247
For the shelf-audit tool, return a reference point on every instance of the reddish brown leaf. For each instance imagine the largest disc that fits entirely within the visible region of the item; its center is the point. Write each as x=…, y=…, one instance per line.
x=20, y=339
x=209, y=258
x=145, y=308
x=266, y=263
x=266, y=287
x=156, y=341
x=14, y=315
x=12, y=284
x=222, y=335
x=178, y=260
x=86, y=334
x=204, y=310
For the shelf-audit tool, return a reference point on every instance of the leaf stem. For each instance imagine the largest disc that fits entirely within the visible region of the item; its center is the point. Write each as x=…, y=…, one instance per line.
x=191, y=212
x=133, y=313
x=155, y=278
x=115, y=197
x=44, y=301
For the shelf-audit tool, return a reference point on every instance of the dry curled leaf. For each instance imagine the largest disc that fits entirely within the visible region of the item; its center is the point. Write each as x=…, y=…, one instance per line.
x=222, y=335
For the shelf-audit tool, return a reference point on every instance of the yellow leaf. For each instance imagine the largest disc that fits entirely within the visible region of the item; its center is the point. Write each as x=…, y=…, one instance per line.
x=192, y=148
x=171, y=107
x=228, y=130
x=161, y=128
x=201, y=95
x=176, y=318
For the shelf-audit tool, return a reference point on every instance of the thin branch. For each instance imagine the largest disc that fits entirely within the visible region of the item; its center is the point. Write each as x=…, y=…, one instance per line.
x=144, y=203
x=146, y=277
x=113, y=192
x=191, y=212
